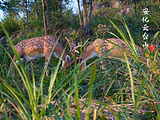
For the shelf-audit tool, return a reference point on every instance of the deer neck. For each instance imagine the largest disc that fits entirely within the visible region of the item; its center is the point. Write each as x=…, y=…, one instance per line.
x=88, y=53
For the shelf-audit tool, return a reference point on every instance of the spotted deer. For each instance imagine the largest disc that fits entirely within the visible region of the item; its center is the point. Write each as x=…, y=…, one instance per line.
x=100, y=47
x=37, y=47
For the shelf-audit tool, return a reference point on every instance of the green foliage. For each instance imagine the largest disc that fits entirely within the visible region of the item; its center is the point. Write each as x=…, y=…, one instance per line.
x=11, y=24
x=47, y=97
x=99, y=94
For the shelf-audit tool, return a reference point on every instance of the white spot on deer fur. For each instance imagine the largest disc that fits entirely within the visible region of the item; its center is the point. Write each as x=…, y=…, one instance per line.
x=35, y=47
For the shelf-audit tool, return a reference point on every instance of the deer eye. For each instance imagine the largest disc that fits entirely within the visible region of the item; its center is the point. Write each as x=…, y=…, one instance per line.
x=67, y=58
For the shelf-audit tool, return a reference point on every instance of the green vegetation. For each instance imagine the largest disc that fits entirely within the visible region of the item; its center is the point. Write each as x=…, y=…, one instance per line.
x=117, y=93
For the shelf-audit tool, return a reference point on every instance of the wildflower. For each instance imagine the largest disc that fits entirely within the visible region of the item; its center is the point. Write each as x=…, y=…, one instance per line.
x=152, y=48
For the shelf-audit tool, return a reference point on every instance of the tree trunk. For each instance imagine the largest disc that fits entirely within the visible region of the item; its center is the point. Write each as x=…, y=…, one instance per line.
x=23, y=6
x=60, y=18
x=26, y=14
x=60, y=13
x=48, y=14
x=79, y=13
x=85, y=17
x=36, y=12
x=44, y=18
x=56, y=11
x=90, y=27
x=135, y=9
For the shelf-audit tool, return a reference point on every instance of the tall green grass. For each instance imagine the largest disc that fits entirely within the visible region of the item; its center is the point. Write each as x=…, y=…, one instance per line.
x=74, y=94
x=144, y=73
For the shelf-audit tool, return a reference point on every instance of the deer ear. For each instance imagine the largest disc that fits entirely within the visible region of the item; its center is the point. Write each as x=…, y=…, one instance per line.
x=68, y=58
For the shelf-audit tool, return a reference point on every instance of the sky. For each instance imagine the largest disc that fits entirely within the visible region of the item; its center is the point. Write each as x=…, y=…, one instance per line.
x=73, y=5
x=1, y=14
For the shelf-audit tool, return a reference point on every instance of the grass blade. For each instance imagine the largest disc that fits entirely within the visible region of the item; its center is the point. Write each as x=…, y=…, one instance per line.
x=90, y=91
x=77, y=98
x=131, y=79
x=26, y=81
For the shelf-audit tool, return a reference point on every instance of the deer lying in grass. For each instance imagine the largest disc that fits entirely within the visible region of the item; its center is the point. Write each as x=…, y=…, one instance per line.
x=100, y=47
x=37, y=47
